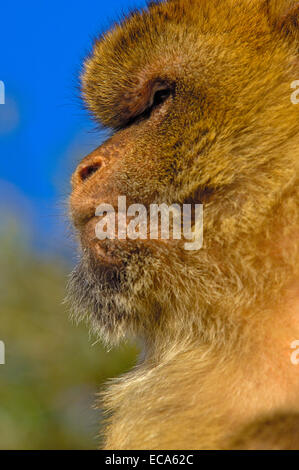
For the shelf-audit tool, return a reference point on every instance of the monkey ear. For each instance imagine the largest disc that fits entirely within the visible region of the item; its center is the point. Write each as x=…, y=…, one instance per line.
x=284, y=16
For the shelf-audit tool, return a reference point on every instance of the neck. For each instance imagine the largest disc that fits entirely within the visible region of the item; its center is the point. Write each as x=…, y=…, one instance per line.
x=219, y=387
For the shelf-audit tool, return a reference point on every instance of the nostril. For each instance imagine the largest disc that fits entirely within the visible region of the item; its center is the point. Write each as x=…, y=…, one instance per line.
x=88, y=170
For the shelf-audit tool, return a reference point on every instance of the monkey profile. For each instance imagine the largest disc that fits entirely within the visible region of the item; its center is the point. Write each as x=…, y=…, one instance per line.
x=197, y=95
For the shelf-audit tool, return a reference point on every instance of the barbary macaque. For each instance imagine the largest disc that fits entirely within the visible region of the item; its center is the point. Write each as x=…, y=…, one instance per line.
x=196, y=94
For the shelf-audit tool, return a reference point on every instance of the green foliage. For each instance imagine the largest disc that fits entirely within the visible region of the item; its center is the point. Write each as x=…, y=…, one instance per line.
x=53, y=370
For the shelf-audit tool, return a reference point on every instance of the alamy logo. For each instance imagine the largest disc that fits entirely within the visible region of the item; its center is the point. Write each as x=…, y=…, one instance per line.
x=184, y=223
x=295, y=354
x=295, y=95
x=2, y=352
x=2, y=92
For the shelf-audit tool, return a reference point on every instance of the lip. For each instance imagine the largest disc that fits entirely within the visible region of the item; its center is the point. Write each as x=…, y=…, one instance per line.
x=102, y=254
x=103, y=250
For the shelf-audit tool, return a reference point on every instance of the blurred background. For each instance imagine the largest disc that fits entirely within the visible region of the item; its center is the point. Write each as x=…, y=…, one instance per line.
x=53, y=367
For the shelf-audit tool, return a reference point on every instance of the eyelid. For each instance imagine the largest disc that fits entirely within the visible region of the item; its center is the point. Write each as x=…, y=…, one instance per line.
x=146, y=112
x=157, y=89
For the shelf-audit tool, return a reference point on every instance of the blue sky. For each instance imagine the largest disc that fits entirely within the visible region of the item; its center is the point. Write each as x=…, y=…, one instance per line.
x=43, y=127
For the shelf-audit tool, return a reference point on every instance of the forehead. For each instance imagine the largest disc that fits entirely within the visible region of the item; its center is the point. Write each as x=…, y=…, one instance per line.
x=172, y=36
x=193, y=16
x=171, y=29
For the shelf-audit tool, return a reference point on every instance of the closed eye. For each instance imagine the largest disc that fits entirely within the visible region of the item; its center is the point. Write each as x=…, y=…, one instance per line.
x=160, y=96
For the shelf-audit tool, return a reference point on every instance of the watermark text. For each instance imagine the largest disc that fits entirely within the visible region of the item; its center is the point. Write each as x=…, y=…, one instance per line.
x=2, y=353
x=2, y=92
x=161, y=222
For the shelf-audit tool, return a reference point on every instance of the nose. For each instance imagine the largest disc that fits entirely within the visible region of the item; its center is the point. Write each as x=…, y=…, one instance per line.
x=86, y=169
x=96, y=179
x=91, y=184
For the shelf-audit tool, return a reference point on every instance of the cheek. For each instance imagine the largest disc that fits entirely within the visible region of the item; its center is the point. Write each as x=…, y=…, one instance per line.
x=149, y=163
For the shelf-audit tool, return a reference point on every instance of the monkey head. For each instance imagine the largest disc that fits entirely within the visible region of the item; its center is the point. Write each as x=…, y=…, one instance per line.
x=198, y=102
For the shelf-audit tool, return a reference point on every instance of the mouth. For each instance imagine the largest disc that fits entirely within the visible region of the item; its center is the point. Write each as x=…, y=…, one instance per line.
x=105, y=252
x=113, y=239
x=103, y=255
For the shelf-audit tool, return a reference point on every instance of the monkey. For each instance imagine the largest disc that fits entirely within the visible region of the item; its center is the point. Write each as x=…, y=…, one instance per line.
x=196, y=95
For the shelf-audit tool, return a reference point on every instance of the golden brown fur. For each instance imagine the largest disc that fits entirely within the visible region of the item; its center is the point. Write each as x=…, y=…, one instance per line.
x=278, y=432
x=217, y=324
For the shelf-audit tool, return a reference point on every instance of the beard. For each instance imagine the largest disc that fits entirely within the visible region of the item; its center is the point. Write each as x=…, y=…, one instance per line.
x=96, y=295
x=150, y=290
x=106, y=296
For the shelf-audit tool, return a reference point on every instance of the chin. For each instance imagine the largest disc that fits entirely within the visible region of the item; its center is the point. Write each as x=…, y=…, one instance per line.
x=105, y=289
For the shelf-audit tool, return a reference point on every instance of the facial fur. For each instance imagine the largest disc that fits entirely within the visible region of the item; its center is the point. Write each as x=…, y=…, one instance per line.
x=226, y=135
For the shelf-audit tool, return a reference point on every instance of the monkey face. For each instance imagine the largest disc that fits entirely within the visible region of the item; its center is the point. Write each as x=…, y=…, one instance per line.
x=200, y=112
